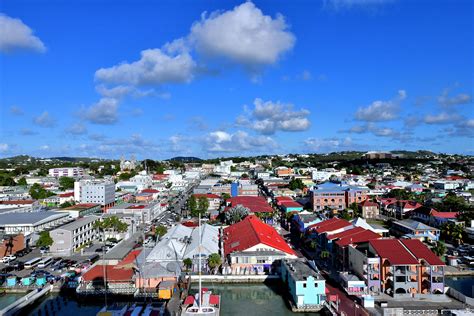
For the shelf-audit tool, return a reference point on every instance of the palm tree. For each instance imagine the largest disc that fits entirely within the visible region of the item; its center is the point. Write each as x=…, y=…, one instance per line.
x=457, y=234
x=214, y=261
x=439, y=249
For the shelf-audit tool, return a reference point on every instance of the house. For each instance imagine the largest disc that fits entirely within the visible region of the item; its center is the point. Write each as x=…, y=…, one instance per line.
x=255, y=204
x=369, y=209
x=252, y=247
x=70, y=237
x=336, y=197
x=304, y=283
x=322, y=231
x=290, y=206
x=120, y=280
x=398, y=267
x=410, y=228
x=301, y=221
x=360, y=222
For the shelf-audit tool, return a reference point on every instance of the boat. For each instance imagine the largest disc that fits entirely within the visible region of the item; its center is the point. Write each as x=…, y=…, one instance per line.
x=204, y=302
x=154, y=309
x=134, y=310
x=113, y=310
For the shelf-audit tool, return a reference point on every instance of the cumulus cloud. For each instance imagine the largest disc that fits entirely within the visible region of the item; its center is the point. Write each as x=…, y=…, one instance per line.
x=103, y=112
x=372, y=128
x=44, y=120
x=155, y=67
x=268, y=117
x=445, y=100
x=240, y=141
x=328, y=144
x=76, y=129
x=4, y=147
x=16, y=110
x=243, y=35
x=15, y=35
x=381, y=110
x=464, y=128
x=442, y=118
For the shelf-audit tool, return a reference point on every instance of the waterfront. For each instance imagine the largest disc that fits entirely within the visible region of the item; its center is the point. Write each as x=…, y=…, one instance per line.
x=237, y=299
x=464, y=284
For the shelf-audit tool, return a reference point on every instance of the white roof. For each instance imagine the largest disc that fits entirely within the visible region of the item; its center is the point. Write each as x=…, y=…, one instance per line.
x=360, y=222
x=209, y=241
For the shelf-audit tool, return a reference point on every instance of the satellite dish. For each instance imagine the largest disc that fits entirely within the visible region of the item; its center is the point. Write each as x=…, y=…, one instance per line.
x=171, y=267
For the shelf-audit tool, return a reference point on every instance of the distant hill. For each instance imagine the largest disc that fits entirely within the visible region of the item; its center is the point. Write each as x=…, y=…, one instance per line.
x=185, y=159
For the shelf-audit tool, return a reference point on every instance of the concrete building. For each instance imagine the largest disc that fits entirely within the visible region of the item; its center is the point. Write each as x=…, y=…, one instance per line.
x=70, y=237
x=31, y=222
x=72, y=172
x=140, y=212
x=81, y=210
x=369, y=209
x=415, y=230
x=95, y=191
x=306, y=286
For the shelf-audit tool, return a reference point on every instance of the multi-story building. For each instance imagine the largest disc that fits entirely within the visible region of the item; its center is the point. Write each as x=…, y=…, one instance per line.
x=81, y=210
x=369, y=209
x=31, y=222
x=66, y=172
x=70, y=237
x=304, y=283
x=213, y=199
x=95, y=191
x=415, y=230
x=398, y=267
x=251, y=246
x=140, y=212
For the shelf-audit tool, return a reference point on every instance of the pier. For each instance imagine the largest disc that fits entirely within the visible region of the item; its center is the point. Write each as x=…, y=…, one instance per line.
x=26, y=300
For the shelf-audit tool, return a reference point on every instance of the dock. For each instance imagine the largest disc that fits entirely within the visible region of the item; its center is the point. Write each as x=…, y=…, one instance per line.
x=26, y=300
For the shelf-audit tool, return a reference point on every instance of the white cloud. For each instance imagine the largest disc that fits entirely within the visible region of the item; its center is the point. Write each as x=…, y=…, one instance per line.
x=103, y=112
x=305, y=75
x=4, y=147
x=240, y=141
x=328, y=144
x=155, y=67
x=77, y=129
x=442, y=118
x=15, y=35
x=268, y=117
x=45, y=147
x=16, y=110
x=45, y=120
x=445, y=100
x=381, y=110
x=243, y=35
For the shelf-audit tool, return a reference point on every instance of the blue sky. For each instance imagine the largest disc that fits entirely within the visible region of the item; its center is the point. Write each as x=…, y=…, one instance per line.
x=219, y=78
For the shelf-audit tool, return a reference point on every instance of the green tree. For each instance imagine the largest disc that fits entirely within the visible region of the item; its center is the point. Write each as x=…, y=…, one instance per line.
x=202, y=205
x=296, y=184
x=192, y=204
x=38, y=192
x=236, y=214
x=225, y=196
x=22, y=181
x=6, y=180
x=188, y=263
x=439, y=249
x=66, y=182
x=112, y=223
x=44, y=240
x=214, y=261
x=66, y=204
x=125, y=176
x=160, y=231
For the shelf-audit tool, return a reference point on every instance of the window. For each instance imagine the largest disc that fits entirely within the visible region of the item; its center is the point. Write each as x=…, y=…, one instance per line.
x=304, y=285
x=315, y=284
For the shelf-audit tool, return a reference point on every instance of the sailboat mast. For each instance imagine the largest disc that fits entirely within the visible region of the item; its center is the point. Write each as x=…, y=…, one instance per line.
x=200, y=284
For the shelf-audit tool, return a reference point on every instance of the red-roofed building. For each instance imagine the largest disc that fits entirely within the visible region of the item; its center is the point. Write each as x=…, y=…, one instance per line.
x=369, y=209
x=255, y=204
x=213, y=199
x=120, y=280
x=291, y=206
x=252, y=246
x=397, y=267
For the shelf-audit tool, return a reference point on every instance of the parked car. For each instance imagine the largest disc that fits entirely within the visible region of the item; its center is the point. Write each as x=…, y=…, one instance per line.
x=17, y=265
x=8, y=258
x=44, y=250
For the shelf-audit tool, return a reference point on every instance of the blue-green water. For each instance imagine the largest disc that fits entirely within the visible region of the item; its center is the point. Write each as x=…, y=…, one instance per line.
x=237, y=299
x=464, y=284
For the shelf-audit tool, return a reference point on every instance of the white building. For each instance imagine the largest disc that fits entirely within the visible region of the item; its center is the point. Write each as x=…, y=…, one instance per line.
x=95, y=191
x=31, y=222
x=325, y=174
x=446, y=185
x=142, y=180
x=66, y=172
x=71, y=236
x=224, y=167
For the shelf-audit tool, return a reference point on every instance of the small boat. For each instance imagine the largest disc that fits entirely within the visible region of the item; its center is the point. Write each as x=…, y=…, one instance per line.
x=154, y=309
x=134, y=310
x=113, y=310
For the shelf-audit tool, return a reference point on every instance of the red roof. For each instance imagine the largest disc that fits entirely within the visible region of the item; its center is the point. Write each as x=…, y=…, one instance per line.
x=133, y=207
x=388, y=201
x=69, y=194
x=250, y=232
x=208, y=195
x=444, y=214
x=113, y=273
x=419, y=250
x=393, y=251
x=150, y=191
x=346, y=233
x=256, y=204
x=334, y=225
x=18, y=202
x=160, y=176
x=290, y=204
x=280, y=199
x=359, y=237
x=131, y=257
x=368, y=203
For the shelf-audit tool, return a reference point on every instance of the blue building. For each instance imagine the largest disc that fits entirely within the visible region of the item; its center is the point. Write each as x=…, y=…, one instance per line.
x=306, y=286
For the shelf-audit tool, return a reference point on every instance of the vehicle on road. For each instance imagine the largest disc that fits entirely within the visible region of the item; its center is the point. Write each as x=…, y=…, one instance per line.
x=45, y=262
x=44, y=250
x=8, y=258
x=30, y=264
